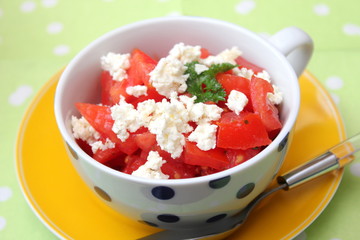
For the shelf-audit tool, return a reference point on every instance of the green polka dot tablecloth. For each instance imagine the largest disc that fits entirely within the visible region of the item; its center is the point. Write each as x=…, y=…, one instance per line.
x=39, y=37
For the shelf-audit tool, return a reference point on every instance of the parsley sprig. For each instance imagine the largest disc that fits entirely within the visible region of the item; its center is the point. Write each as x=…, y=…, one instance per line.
x=204, y=85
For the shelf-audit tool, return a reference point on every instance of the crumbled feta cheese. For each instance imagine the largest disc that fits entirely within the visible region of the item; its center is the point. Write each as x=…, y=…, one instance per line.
x=95, y=146
x=83, y=130
x=116, y=64
x=236, y=101
x=137, y=90
x=185, y=53
x=199, y=68
x=276, y=97
x=205, y=136
x=126, y=118
x=243, y=72
x=226, y=56
x=168, y=76
x=169, y=122
x=152, y=167
x=201, y=112
x=264, y=75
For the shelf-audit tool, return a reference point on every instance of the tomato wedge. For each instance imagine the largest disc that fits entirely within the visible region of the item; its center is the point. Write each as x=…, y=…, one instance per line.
x=214, y=158
x=267, y=111
x=237, y=156
x=243, y=63
x=242, y=131
x=100, y=119
x=232, y=82
x=141, y=65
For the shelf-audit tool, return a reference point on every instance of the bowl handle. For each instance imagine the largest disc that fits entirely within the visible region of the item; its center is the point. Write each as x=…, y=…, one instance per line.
x=296, y=45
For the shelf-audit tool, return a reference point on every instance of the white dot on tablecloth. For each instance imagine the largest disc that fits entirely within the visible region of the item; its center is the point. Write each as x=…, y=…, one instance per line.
x=5, y=193
x=355, y=169
x=2, y=223
x=20, y=95
x=335, y=238
x=321, y=9
x=55, y=27
x=27, y=6
x=49, y=3
x=61, y=50
x=245, y=6
x=1, y=12
x=351, y=29
x=334, y=83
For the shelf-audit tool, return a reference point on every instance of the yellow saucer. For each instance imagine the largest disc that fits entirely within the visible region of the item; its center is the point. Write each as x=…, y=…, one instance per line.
x=71, y=211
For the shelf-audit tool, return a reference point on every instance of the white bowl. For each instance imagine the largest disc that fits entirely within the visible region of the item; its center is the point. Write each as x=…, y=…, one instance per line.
x=183, y=203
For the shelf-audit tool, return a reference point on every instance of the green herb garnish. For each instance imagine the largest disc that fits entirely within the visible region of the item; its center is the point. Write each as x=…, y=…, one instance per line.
x=204, y=85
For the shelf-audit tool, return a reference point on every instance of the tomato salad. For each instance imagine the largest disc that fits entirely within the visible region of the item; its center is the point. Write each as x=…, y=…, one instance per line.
x=185, y=115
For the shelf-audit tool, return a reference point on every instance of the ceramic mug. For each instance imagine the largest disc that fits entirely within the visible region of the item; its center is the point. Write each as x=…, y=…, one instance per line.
x=184, y=203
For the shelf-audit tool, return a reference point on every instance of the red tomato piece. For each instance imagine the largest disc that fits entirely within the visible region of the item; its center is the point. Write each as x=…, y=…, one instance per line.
x=214, y=158
x=177, y=170
x=204, y=53
x=151, y=94
x=241, y=131
x=100, y=119
x=232, y=82
x=145, y=141
x=106, y=84
x=267, y=111
x=133, y=162
x=237, y=156
x=243, y=63
x=140, y=66
x=104, y=156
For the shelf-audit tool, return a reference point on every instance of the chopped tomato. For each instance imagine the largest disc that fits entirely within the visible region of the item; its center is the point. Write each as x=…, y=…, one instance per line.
x=214, y=158
x=106, y=155
x=151, y=94
x=100, y=119
x=177, y=170
x=85, y=147
x=241, y=131
x=237, y=156
x=204, y=53
x=232, y=82
x=145, y=141
x=106, y=84
x=243, y=63
x=133, y=162
x=140, y=66
x=267, y=111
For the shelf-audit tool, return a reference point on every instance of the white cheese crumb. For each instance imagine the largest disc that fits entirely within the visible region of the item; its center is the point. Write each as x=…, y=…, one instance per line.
x=226, y=56
x=108, y=144
x=169, y=122
x=205, y=136
x=83, y=130
x=152, y=167
x=201, y=112
x=137, y=90
x=185, y=53
x=236, y=101
x=243, y=72
x=264, y=75
x=126, y=118
x=116, y=64
x=168, y=76
x=199, y=68
x=277, y=97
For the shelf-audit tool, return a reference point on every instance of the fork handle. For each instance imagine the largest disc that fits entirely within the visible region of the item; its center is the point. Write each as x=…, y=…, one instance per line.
x=335, y=158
